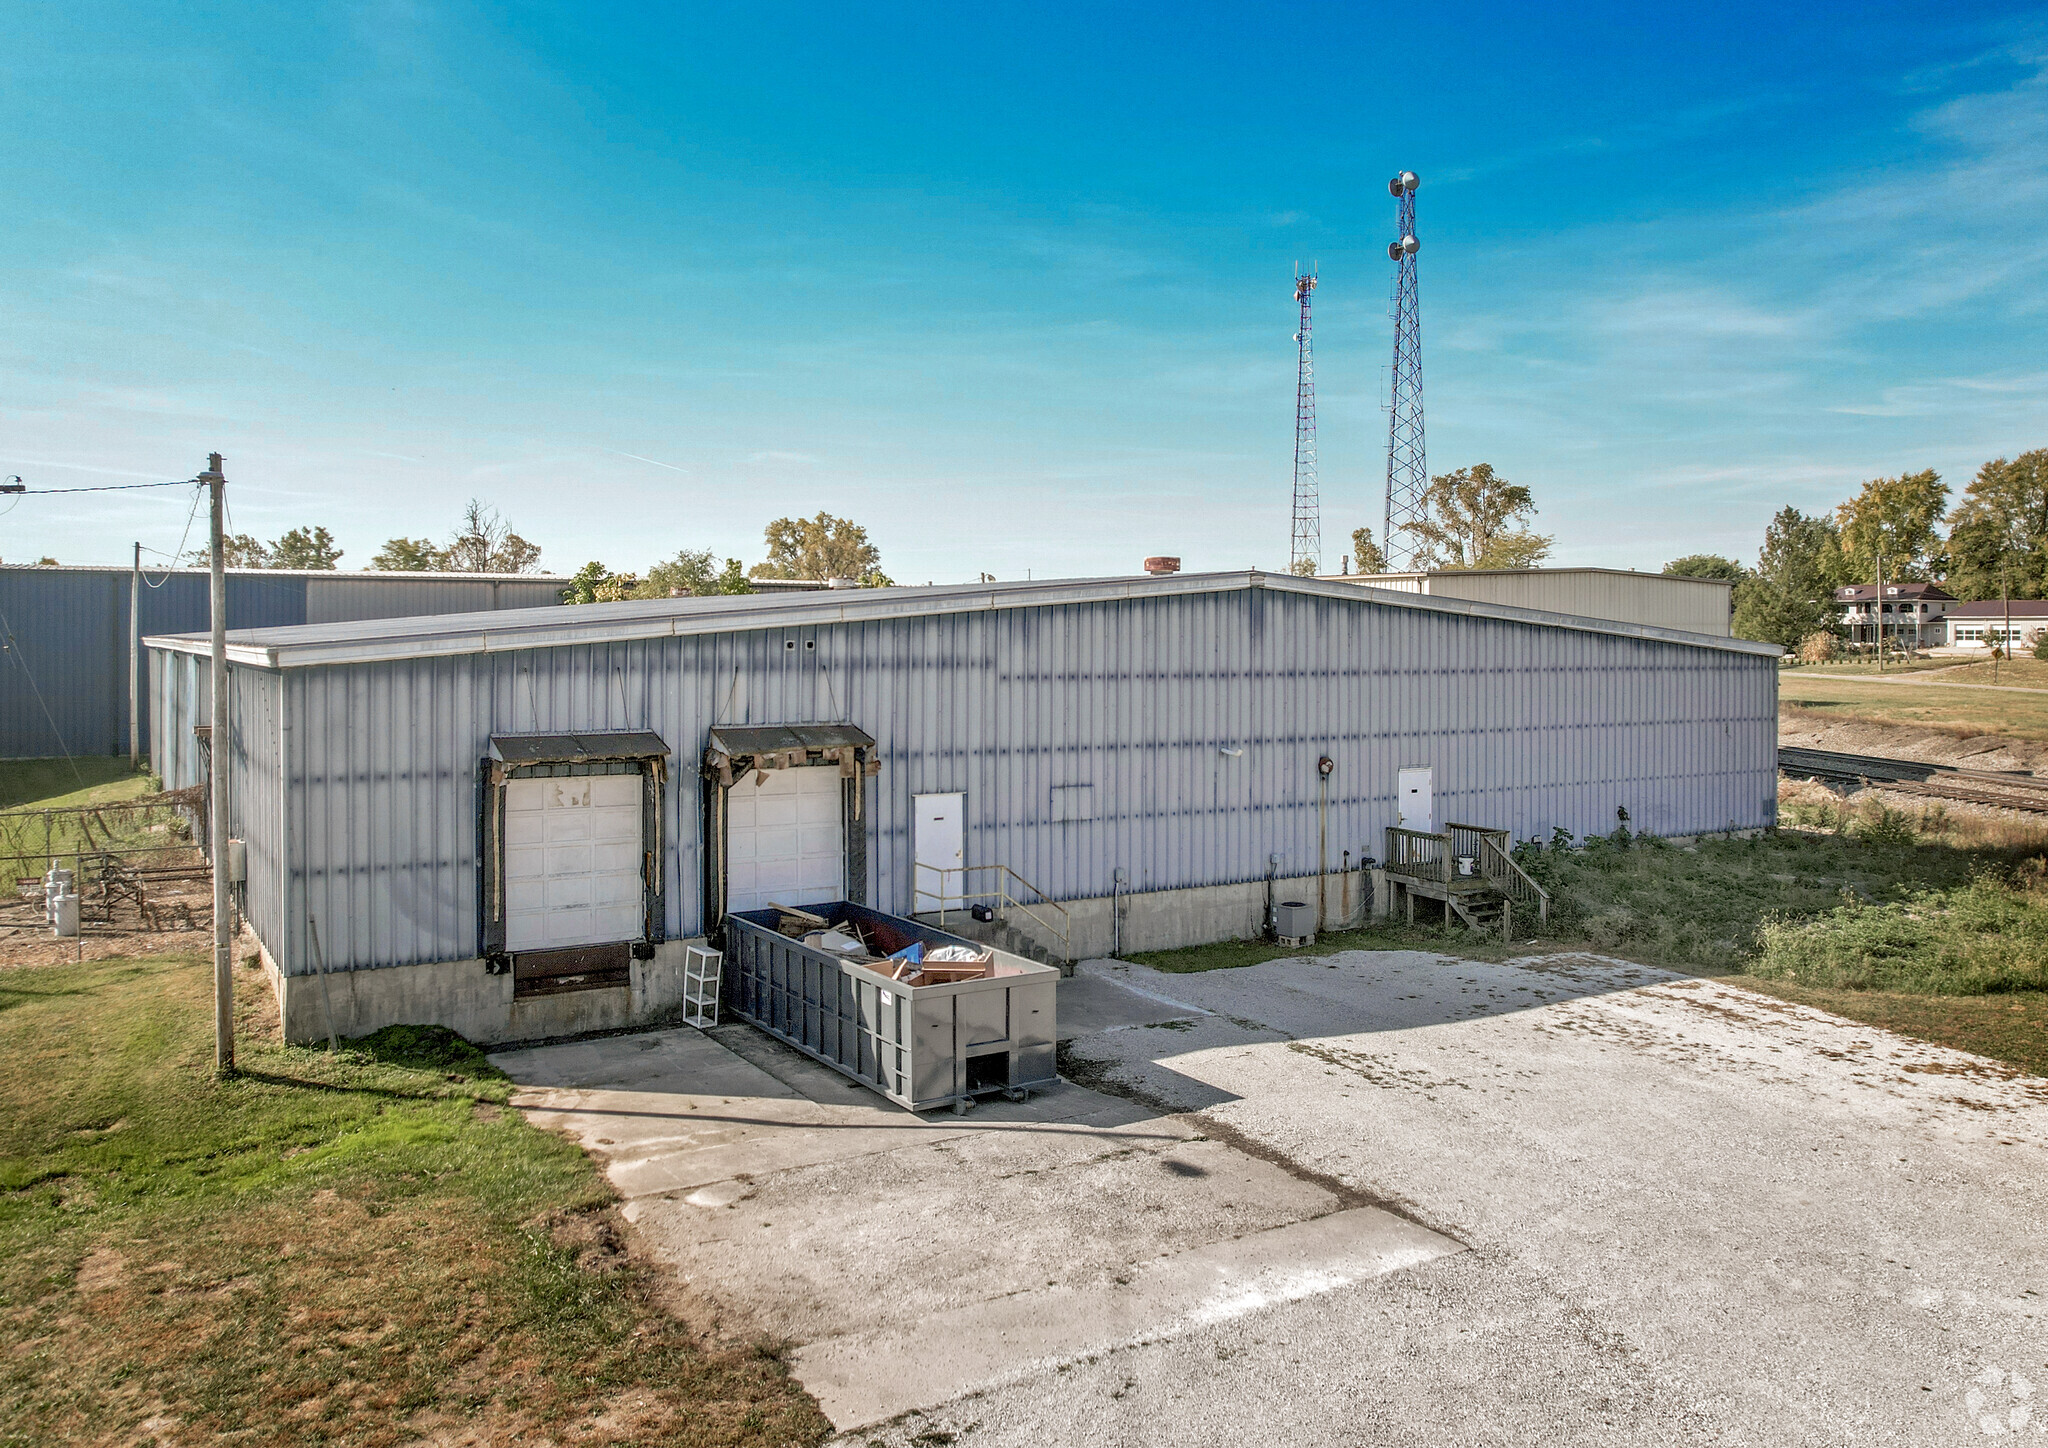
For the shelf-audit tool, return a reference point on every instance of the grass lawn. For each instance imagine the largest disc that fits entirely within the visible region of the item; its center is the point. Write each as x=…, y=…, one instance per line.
x=1918, y=932
x=60, y=783
x=1852, y=668
x=1982, y=711
x=361, y=1248
x=2023, y=672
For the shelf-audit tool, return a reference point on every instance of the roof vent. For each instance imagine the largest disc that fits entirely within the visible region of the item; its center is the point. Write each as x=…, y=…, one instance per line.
x=1158, y=567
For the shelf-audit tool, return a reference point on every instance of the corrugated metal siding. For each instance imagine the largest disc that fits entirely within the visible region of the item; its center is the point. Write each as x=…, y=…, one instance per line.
x=339, y=600
x=1661, y=600
x=68, y=631
x=1527, y=728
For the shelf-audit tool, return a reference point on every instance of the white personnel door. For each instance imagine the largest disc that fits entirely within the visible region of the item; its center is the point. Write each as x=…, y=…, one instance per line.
x=940, y=842
x=785, y=839
x=1418, y=800
x=572, y=861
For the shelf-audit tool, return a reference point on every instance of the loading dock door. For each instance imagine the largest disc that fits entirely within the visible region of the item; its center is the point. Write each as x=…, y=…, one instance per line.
x=572, y=861
x=785, y=839
x=1418, y=800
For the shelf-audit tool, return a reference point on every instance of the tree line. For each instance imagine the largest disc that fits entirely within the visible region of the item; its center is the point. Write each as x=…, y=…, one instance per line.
x=817, y=548
x=1995, y=544
x=482, y=543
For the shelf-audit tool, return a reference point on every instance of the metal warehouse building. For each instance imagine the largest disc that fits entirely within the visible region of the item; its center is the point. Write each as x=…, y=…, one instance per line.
x=65, y=632
x=465, y=803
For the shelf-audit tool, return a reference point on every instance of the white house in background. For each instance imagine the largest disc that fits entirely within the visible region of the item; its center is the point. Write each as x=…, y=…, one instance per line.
x=1909, y=614
x=1982, y=625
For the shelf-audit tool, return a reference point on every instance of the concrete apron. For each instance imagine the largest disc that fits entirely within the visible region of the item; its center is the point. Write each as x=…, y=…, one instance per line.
x=916, y=1259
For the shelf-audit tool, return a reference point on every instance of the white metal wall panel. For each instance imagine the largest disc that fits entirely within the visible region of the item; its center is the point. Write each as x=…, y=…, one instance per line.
x=1196, y=721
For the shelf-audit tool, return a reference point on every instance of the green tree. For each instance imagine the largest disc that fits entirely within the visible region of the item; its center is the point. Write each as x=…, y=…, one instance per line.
x=1474, y=518
x=305, y=548
x=595, y=583
x=1790, y=596
x=818, y=548
x=1707, y=565
x=1999, y=530
x=1899, y=518
x=1366, y=555
x=695, y=573
x=485, y=543
x=237, y=550
x=409, y=555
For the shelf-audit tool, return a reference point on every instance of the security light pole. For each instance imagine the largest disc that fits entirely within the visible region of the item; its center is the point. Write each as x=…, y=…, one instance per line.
x=217, y=770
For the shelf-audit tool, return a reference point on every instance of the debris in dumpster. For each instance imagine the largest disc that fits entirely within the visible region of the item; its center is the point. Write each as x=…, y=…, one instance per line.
x=804, y=920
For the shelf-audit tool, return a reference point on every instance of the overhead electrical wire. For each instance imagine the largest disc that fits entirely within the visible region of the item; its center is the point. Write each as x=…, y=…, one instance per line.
x=107, y=488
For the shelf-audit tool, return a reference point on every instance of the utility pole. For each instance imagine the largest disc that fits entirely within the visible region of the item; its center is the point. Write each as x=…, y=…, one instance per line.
x=2005, y=638
x=135, y=662
x=1878, y=617
x=217, y=806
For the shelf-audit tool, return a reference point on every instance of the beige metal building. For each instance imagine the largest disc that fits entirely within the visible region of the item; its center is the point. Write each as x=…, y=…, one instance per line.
x=1659, y=600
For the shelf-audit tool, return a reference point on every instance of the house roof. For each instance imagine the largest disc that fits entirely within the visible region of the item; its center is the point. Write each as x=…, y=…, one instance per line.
x=451, y=634
x=1993, y=608
x=1867, y=592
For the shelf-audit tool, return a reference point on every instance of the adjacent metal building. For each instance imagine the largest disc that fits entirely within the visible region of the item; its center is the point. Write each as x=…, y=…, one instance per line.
x=64, y=633
x=1662, y=600
x=510, y=822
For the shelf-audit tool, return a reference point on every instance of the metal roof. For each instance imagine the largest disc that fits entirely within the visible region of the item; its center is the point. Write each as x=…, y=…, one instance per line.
x=594, y=748
x=387, y=575
x=440, y=635
x=1508, y=572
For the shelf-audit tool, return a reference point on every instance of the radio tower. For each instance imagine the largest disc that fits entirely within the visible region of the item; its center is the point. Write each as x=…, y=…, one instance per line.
x=1305, y=552
x=1407, y=463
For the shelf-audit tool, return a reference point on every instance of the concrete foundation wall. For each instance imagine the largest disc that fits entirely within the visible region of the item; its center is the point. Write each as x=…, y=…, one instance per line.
x=1203, y=915
x=460, y=995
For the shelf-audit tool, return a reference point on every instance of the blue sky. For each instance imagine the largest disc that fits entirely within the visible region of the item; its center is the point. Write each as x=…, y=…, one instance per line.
x=1008, y=284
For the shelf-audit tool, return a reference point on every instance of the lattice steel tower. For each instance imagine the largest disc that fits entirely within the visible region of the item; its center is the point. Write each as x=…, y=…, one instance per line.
x=1305, y=552
x=1407, y=460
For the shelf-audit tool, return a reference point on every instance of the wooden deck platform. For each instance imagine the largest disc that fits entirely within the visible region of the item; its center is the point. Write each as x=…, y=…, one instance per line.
x=1469, y=869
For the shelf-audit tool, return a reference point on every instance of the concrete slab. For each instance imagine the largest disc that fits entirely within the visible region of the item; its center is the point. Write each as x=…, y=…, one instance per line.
x=871, y=1376
x=1090, y=1003
x=829, y=1218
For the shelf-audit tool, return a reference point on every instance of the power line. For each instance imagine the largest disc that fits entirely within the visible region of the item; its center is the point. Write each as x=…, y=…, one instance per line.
x=108, y=488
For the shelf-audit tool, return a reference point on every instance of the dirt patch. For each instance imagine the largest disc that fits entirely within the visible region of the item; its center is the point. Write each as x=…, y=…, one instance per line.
x=1930, y=744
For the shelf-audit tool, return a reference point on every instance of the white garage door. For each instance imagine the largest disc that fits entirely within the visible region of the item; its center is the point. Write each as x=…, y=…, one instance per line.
x=572, y=861
x=785, y=839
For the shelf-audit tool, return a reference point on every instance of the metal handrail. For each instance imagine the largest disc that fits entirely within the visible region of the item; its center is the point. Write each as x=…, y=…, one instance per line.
x=1418, y=855
x=1510, y=878
x=1061, y=930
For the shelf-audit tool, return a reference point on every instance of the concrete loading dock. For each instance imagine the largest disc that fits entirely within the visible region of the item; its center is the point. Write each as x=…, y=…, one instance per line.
x=1159, y=758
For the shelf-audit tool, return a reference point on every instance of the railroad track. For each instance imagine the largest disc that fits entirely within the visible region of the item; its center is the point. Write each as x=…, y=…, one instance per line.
x=1910, y=776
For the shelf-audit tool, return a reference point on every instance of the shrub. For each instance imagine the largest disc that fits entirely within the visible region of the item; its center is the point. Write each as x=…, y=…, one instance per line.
x=1877, y=823
x=1820, y=648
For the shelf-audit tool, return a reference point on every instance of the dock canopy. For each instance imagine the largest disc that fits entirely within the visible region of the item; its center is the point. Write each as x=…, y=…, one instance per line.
x=607, y=747
x=736, y=748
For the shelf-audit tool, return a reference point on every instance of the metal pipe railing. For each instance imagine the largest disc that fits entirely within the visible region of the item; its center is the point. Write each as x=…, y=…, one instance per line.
x=1060, y=929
